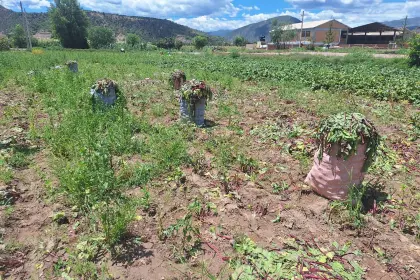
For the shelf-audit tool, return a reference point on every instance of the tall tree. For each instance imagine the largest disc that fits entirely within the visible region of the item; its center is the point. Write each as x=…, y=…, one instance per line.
x=281, y=32
x=329, y=36
x=101, y=37
x=69, y=24
x=18, y=37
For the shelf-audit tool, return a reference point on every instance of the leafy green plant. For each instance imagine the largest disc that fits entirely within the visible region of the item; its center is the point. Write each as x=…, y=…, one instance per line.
x=190, y=241
x=6, y=173
x=351, y=211
x=414, y=54
x=194, y=90
x=18, y=159
x=248, y=165
x=200, y=42
x=132, y=39
x=4, y=44
x=348, y=131
x=115, y=218
x=298, y=259
x=235, y=54
x=278, y=188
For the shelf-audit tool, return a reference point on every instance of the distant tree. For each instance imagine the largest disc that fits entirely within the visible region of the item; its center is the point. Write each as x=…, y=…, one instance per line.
x=414, y=53
x=281, y=32
x=69, y=23
x=18, y=37
x=239, y=41
x=132, y=39
x=166, y=43
x=35, y=42
x=101, y=37
x=178, y=44
x=200, y=42
x=4, y=44
x=329, y=36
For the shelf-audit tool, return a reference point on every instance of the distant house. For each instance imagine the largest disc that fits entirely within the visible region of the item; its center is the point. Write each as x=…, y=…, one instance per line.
x=316, y=32
x=43, y=35
x=377, y=34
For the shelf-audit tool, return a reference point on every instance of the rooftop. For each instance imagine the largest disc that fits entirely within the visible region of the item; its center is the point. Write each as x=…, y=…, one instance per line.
x=308, y=24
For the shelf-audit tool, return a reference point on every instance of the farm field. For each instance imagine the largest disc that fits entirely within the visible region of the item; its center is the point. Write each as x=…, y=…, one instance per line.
x=132, y=193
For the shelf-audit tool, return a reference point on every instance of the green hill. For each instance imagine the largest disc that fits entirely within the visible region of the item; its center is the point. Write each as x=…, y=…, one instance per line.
x=150, y=29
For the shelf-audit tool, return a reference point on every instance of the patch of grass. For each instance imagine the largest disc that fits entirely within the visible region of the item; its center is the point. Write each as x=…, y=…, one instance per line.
x=6, y=173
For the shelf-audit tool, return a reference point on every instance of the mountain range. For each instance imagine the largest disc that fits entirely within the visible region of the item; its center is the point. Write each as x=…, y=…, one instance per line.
x=149, y=29
x=252, y=32
x=412, y=23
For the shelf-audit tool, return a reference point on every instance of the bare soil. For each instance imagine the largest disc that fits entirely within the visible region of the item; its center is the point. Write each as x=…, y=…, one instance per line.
x=39, y=243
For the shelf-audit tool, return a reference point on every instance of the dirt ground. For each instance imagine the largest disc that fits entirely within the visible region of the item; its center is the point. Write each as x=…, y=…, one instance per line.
x=247, y=208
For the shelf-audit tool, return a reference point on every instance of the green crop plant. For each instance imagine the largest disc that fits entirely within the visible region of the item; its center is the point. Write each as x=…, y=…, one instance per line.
x=190, y=240
x=278, y=188
x=248, y=165
x=298, y=259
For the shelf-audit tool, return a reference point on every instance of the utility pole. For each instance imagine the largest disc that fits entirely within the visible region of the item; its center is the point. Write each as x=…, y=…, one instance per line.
x=301, y=29
x=25, y=22
x=404, y=31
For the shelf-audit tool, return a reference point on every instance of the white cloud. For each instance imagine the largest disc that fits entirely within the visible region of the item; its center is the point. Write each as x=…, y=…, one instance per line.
x=210, y=15
x=165, y=8
x=31, y=4
x=358, y=12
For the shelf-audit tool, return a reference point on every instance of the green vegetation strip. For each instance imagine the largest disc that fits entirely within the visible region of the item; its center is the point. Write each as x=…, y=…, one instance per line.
x=297, y=260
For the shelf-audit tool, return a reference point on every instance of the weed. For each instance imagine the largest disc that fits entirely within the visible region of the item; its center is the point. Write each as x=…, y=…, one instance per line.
x=278, y=188
x=115, y=218
x=351, y=211
x=6, y=173
x=145, y=199
x=190, y=241
x=247, y=165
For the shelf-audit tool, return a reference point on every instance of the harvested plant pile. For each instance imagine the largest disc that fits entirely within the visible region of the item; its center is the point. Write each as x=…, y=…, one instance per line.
x=348, y=131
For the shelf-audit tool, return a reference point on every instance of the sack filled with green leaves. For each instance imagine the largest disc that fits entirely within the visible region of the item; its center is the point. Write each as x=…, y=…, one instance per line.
x=194, y=90
x=105, y=91
x=194, y=95
x=348, y=145
x=177, y=79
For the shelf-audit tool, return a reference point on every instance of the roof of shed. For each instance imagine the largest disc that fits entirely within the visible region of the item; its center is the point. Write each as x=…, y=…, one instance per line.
x=308, y=24
x=372, y=27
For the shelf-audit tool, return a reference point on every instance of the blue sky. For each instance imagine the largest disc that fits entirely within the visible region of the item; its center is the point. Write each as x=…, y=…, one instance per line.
x=210, y=15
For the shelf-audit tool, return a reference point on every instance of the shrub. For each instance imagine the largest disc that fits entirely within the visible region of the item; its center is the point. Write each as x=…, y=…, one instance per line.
x=166, y=43
x=310, y=47
x=101, y=37
x=19, y=38
x=235, y=54
x=178, y=44
x=132, y=39
x=200, y=42
x=414, y=54
x=239, y=41
x=4, y=44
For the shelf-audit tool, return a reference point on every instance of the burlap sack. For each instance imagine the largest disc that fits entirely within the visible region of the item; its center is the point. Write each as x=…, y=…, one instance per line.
x=332, y=177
